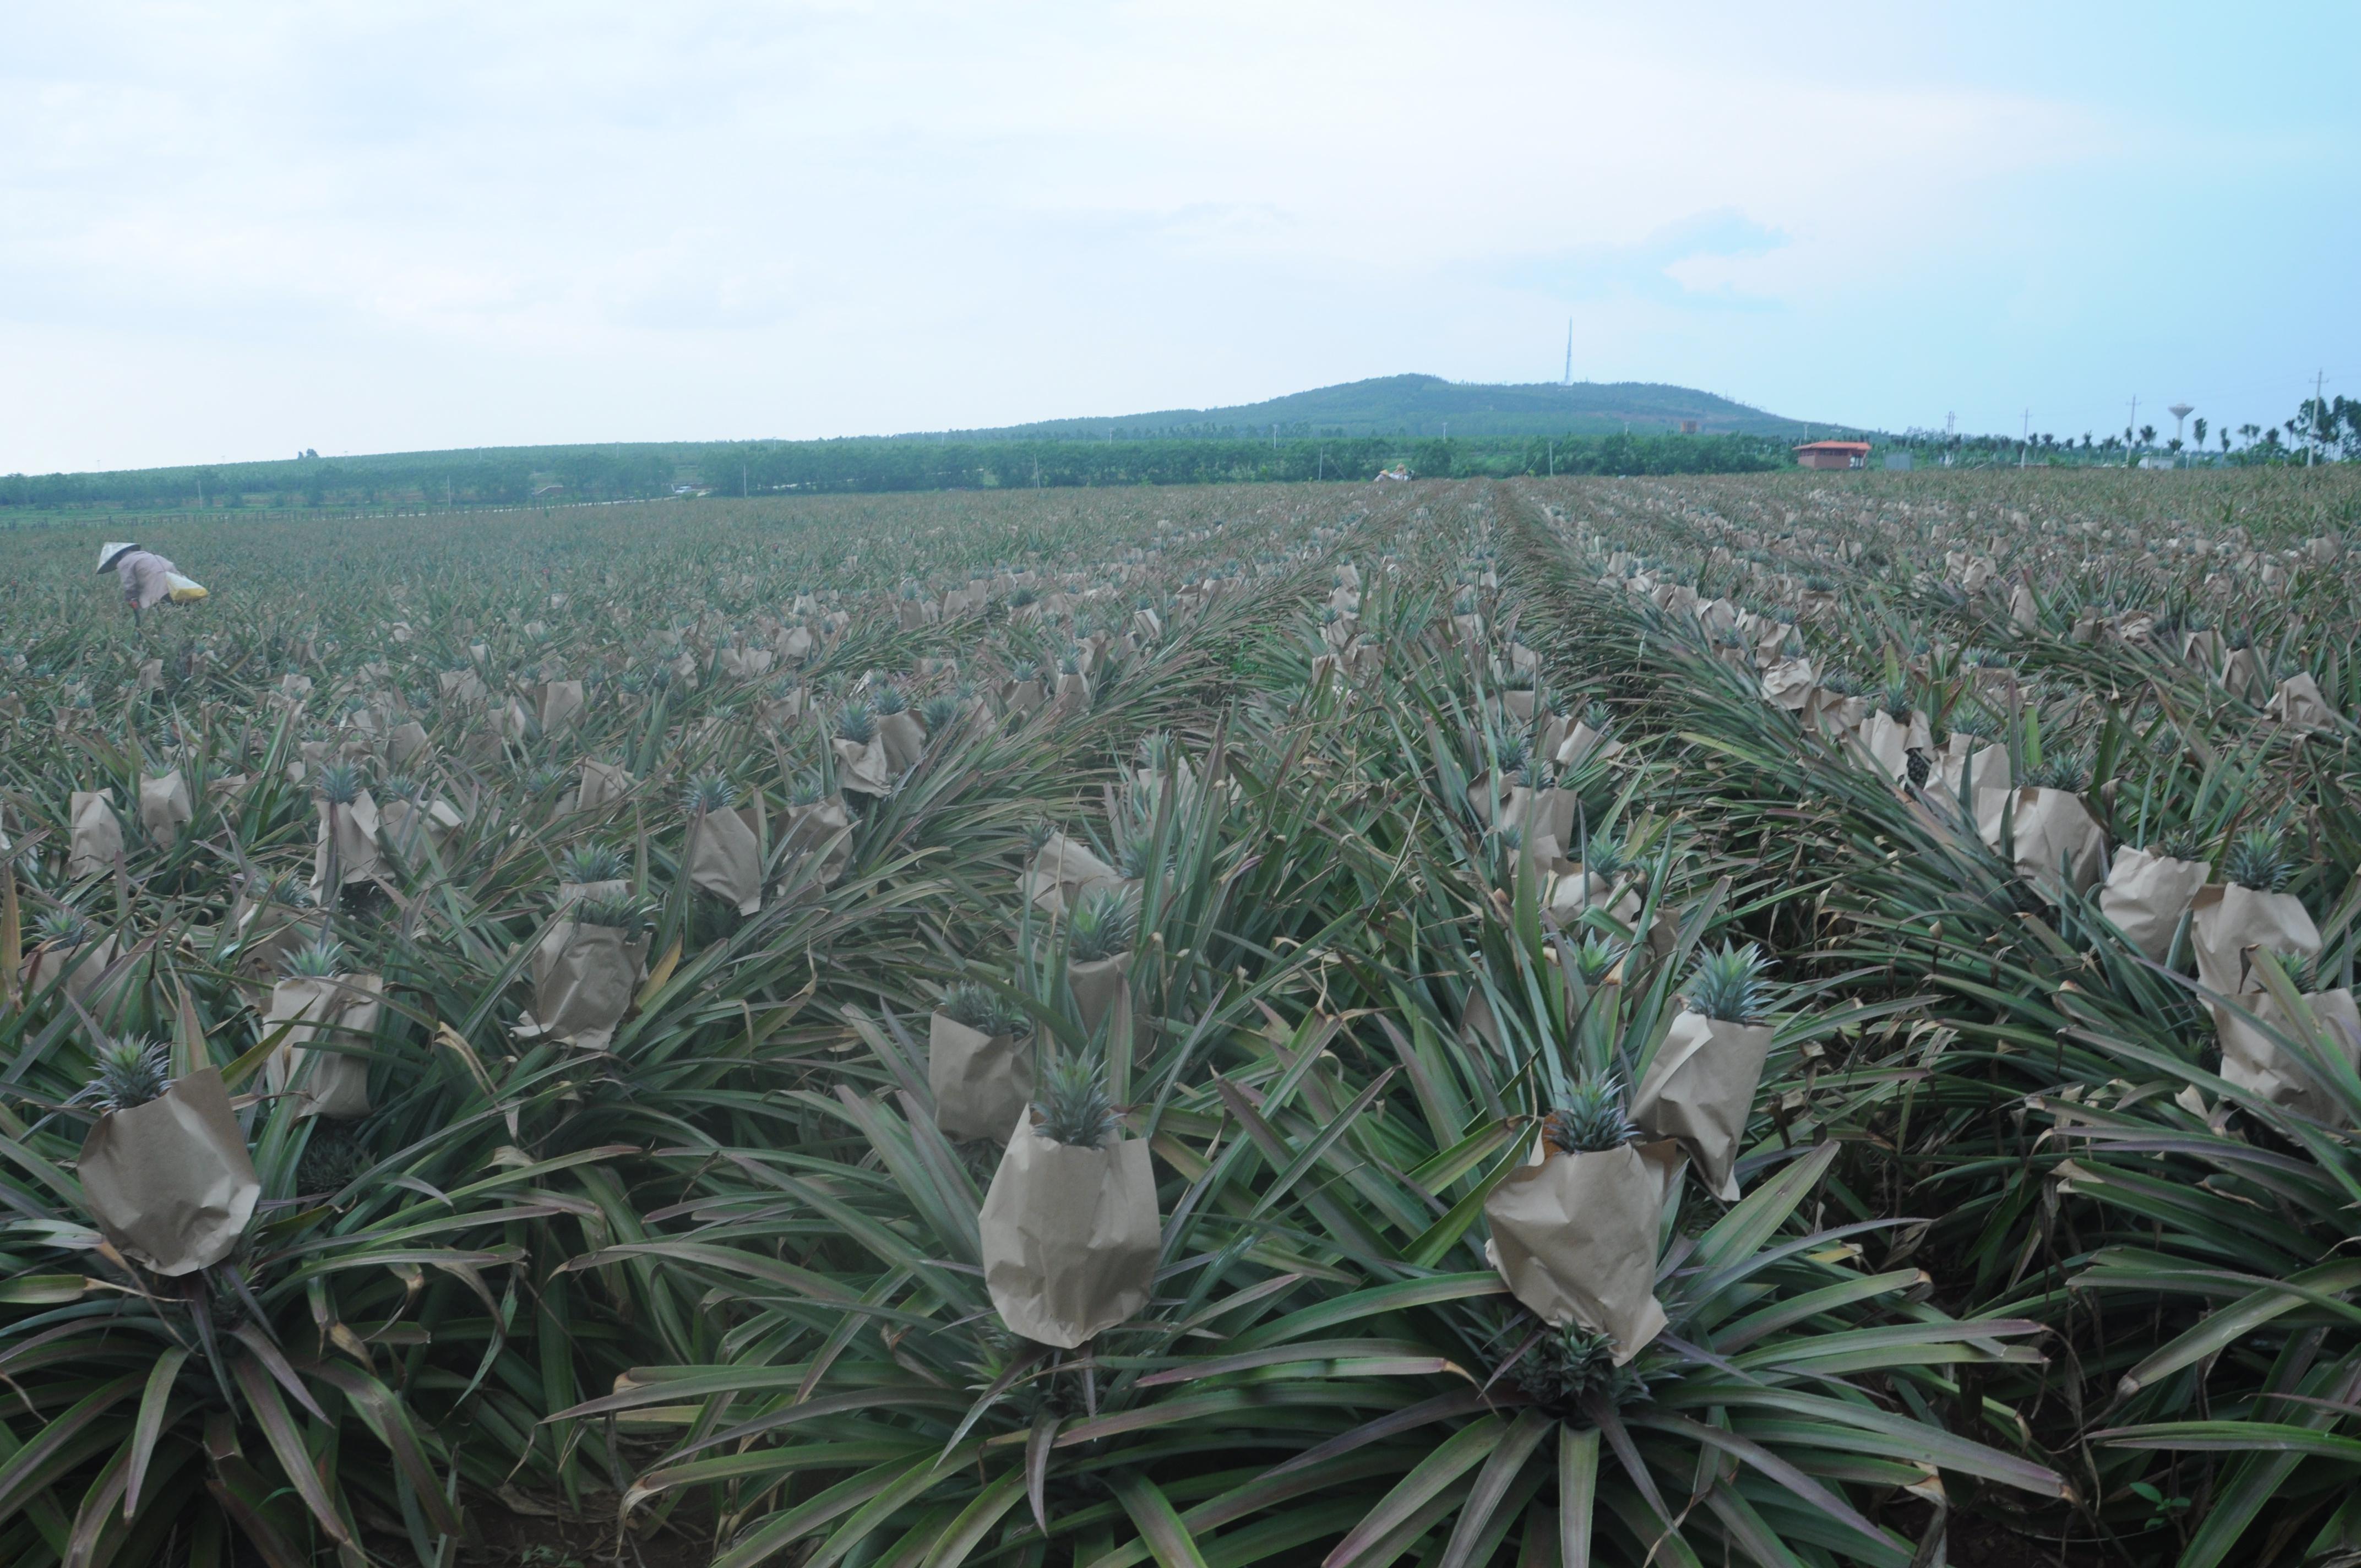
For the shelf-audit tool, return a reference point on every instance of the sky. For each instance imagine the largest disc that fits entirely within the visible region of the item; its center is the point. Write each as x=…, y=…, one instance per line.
x=237, y=230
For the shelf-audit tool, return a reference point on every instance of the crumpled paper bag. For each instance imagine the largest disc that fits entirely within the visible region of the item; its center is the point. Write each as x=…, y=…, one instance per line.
x=603, y=784
x=862, y=766
x=2146, y=896
x=357, y=856
x=165, y=807
x=342, y=1011
x=170, y=1182
x=2259, y=1064
x=823, y=828
x=584, y=978
x=1060, y=871
x=1700, y=1090
x=1070, y=1237
x=2298, y=704
x=2050, y=827
x=725, y=859
x=982, y=1082
x=905, y=740
x=2225, y=920
x=96, y=834
x=1574, y=1236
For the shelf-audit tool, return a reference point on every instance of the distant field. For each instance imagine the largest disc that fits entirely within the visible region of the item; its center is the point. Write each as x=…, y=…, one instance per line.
x=1768, y=1018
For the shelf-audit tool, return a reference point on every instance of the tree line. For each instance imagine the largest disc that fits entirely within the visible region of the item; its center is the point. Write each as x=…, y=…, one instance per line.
x=765, y=467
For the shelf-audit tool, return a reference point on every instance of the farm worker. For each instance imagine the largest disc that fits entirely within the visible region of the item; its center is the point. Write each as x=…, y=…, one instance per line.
x=147, y=578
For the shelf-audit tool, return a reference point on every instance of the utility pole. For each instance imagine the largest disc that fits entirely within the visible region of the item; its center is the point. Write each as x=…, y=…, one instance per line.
x=2128, y=429
x=2311, y=448
x=744, y=490
x=2023, y=434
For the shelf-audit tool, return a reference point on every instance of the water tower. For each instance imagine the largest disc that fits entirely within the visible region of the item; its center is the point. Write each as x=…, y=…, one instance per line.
x=2179, y=412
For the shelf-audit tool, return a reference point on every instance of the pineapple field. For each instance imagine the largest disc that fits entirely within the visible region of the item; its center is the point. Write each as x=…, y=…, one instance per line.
x=1787, y=1019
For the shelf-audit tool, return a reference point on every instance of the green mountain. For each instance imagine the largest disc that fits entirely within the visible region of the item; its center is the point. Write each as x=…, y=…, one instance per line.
x=1424, y=406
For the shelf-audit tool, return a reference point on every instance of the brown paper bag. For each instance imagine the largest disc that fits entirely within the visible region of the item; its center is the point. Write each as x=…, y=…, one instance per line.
x=863, y=767
x=726, y=860
x=2051, y=827
x=2242, y=674
x=96, y=834
x=1103, y=990
x=164, y=808
x=1060, y=871
x=1574, y=1235
x=80, y=971
x=2299, y=704
x=1070, y=1237
x=1700, y=1090
x=463, y=688
x=342, y=1011
x=170, y=1182
x=2225, y=920
x=1572, y=891
x=1884, y=742
x=557, y=704
x=584, y=977
x=412, y=828
x=603, y=784
x=823, y=828
x=1582, y=742
x=1788, y=685
x=982, y=1082
x=904, y=739
x=2258, y=1064
x=1498, y=805
x=2146, y=896
x=407, y=746
x=357, y=856
x=1073, y=695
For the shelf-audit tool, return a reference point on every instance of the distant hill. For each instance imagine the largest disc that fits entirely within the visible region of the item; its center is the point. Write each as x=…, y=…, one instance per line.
x=1361, y=425
x=1423, y=406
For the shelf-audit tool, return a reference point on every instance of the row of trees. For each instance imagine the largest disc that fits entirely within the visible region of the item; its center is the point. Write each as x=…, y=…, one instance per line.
x=508, y=478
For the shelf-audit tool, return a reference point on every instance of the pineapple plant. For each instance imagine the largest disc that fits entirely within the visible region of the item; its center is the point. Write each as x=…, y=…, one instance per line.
x=984, y=1010
x=128, y=1073
x=64, y=927
x=804, y=790
x=1101, y=926
x=1074, y=1108
x=619, y=911
x=708, y=793
x=339, y=783
x=857, y=722
x=2182, y=843
x=938, y=713
x=593, y=863
x=2258, y=860
x=889, y=699
x=1592, y=1119
x=1730, y=985
x=2060, y=769
x=320, y=959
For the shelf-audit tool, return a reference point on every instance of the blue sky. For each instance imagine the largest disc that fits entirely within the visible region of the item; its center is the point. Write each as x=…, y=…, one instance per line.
x=233, y=231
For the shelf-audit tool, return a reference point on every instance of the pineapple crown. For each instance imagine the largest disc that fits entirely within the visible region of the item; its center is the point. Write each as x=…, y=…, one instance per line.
x=2258, y=859
x=1599, y=717
x=889, y=699
x=340, y=784
x=1101, y=926
x=401, y=786
x=983, y=1009
x=593, y=863
x=1729, y=984
x=128, y=1073
x=321, y=959
x=857, y=722
x=939, y=712
x=620, y=911
x=1517, y=678
x=65, y=927
x=806, y=790
x=1604, y=854
x=1036, y=835
x=1024, y=672
x=545, y=780
x=1465, y=603
x=1074, y=1106
x=1895, y=700
x=1513, y=755
x=2177, y=844
x=1592, y=1119
x=2060, y=769
x=709, y=792
x=1595, y=958
x=1070, y=666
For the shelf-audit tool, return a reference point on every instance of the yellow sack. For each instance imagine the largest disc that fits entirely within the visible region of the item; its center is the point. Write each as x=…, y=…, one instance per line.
x=184, y=590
